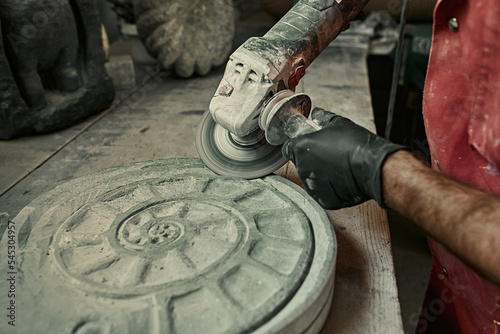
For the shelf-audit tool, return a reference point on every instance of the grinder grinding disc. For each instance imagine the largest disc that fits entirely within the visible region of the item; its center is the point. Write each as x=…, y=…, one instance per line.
x=227, y=155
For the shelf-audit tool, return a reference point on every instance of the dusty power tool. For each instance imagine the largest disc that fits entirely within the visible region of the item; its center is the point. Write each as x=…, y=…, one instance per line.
x=255, y=109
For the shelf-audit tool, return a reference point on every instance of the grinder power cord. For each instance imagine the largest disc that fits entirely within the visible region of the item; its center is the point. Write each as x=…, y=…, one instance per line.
x=340, y=165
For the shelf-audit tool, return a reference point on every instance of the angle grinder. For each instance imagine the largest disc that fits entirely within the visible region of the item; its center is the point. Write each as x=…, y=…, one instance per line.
x=259, y=153
x=255, y=108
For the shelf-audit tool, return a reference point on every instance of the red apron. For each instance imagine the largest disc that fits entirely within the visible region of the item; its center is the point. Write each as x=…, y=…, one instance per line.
x=462, y=119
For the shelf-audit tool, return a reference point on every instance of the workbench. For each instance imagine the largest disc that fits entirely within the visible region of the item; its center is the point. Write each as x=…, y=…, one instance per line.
x=158, y=119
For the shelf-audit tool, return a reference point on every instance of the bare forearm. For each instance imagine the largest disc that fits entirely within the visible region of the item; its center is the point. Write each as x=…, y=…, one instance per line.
x=464, y=219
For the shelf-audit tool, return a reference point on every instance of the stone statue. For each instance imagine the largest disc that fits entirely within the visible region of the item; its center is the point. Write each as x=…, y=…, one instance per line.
x=192, y=36
x=51, y=65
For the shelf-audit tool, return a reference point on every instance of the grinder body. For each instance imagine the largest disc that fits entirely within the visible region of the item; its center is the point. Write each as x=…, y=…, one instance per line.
x=235, y=137
x=263, y=66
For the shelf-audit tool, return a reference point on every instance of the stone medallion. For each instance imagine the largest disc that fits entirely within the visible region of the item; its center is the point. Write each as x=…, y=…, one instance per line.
x=170, y=247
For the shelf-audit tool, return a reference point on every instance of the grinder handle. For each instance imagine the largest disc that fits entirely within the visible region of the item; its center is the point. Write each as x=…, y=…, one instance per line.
x=302, y=34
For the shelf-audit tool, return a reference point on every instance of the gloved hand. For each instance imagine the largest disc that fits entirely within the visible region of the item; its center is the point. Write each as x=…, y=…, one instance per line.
x=340, y=165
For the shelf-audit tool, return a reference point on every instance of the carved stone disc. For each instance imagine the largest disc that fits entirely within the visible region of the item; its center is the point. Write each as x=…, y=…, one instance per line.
x=170, y=247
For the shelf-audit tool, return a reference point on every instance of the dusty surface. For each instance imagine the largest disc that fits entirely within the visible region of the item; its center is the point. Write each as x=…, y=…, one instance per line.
x=167, y=247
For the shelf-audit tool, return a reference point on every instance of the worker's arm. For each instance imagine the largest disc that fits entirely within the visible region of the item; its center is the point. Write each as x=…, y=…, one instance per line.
x=462, y=218
x=345, y=164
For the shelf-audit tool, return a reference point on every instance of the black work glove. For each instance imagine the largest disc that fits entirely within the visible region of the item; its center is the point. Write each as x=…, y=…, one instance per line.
x=340, y=165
